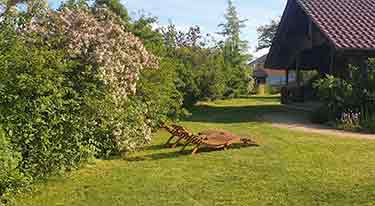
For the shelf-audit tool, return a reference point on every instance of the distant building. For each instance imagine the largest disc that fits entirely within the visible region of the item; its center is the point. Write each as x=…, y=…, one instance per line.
x=273, y=77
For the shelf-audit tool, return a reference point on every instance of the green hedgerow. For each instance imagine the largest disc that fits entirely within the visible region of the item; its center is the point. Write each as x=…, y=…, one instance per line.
x=39, y=109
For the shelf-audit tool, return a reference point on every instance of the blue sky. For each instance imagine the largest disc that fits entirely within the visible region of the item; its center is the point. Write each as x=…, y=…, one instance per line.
x=207, y=13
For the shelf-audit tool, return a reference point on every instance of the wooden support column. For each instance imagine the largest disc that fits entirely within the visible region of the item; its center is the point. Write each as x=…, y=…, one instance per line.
x=364, y=67
x=341, y=65
x=300, y=91
x=298, y=77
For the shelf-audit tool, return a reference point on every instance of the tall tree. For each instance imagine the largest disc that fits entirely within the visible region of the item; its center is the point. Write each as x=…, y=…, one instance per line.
x=234, y=53
x=267, y=33
x=234, y=46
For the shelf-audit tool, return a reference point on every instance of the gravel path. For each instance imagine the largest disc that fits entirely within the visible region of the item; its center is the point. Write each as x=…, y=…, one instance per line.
x=300, y=123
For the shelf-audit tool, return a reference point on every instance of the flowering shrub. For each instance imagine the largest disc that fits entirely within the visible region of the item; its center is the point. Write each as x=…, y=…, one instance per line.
x=118, y=127
x=350, y=120
x=97, y=39
x=67, y=82
x=117, y=58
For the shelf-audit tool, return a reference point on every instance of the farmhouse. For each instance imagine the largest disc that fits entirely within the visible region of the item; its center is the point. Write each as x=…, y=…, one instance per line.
x=324, y=35
x=263, y=75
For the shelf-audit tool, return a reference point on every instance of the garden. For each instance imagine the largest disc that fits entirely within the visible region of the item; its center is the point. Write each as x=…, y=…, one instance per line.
x=86, y=81
x=288, y=168
x=86, y=89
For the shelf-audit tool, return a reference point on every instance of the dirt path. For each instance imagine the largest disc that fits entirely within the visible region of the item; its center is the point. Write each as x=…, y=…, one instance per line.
x=300, y=123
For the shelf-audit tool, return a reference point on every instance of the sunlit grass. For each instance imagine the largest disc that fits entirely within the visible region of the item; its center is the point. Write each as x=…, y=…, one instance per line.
x=289, y=168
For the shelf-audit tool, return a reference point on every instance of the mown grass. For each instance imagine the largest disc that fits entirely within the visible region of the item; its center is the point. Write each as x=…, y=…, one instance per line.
x=289, y=168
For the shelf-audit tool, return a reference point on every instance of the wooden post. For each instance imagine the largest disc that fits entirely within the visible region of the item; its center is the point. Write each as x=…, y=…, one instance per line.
x=341, y=64
x=298, y=72
x=364, y=67
x=287, y=77
x=299, y=92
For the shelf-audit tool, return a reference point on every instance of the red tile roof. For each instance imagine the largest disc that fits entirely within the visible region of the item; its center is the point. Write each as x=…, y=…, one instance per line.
x=349, y=24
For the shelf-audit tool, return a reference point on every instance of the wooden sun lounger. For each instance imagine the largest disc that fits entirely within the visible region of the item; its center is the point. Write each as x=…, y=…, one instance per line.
x=178, y=131
x=216, y=139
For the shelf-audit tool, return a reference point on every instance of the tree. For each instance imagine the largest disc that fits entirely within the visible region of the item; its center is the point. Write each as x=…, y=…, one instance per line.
x=7, y=5
x=33, y=7
x=234, y=47
x=116, y=7
x=234, y=52
x=3, y=7
x=76, y=3
x=267, y=33
x=143, y=29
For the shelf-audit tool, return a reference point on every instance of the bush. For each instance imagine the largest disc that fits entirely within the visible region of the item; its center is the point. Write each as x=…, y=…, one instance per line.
x=10, y=177
x=322, y=115
x=39, y=109
x=337, y=93
x=157, y=91
x=63, y=102
x=208, y=77
x=350, y=102
x=369, y=125
x=203, y=69
x=367, y=116
x=120, y=126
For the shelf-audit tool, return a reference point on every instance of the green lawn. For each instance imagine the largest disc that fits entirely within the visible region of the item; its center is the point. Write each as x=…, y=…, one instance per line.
x=289, y=168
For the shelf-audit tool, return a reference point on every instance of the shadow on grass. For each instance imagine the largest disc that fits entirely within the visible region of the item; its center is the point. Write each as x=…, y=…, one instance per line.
x=157, y=156
x=267, y=98
x=176, y=154
x=154, y=147
x=233, y=114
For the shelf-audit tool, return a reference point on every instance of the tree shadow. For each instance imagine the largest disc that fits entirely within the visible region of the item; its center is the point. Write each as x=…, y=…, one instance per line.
x=154, y=147
x=268, y=98
x=232, y=114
